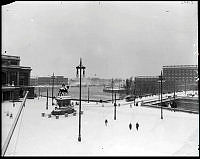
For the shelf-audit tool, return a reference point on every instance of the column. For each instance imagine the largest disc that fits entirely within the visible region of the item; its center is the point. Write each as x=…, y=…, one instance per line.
x=8, y=77
x=17, y=78
x=29, y=78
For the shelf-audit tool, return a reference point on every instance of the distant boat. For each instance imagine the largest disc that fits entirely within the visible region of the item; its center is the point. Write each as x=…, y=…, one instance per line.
x=77, y=84
x=115, y=90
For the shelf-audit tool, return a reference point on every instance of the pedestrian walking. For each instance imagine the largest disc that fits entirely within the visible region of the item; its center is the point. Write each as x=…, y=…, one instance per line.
x=130, y=126
x=11, y=116
x=106, y=122
x=137, y=126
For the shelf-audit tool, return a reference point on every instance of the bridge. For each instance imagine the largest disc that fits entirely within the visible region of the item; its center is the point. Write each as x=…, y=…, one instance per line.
x=157, y=101
x=184, y=104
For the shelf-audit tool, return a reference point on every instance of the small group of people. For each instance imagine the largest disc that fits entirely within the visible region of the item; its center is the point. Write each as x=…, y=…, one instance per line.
x=9, y=114
x=136, y=125
x=130, y=125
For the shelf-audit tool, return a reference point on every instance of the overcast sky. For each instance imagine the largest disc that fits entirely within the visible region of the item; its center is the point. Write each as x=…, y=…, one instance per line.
x=115, y=39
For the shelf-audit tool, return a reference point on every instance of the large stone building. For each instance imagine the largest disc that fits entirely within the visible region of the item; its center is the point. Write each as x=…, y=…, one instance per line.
x=15, y=78
x=175, y=78
x=180, y=77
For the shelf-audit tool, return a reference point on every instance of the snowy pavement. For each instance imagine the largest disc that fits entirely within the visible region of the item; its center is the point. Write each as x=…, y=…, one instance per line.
x=176, y=135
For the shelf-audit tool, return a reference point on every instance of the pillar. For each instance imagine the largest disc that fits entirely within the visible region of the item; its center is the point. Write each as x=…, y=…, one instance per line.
x=8, y=77
x=17, y=78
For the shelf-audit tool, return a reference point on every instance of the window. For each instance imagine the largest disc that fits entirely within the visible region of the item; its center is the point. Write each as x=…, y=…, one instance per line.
x=23, y=78
x=4, y=78
x=14, y=62
x=13, y=77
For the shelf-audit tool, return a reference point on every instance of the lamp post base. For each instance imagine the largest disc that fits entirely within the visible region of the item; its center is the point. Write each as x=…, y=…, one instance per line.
x=79, y=138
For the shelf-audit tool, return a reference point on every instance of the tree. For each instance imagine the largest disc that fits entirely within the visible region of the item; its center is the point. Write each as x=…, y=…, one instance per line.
x=129, y=86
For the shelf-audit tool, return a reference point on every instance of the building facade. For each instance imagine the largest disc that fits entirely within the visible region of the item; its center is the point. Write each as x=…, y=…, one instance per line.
x=146, y=85
x=175, y=78
x=180, y=78
x=15, y=78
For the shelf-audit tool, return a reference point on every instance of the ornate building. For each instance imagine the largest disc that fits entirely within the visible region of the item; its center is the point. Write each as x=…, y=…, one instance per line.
x=15, y=78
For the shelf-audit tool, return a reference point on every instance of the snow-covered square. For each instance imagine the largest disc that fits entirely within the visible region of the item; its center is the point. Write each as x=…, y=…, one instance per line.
x=176, y=135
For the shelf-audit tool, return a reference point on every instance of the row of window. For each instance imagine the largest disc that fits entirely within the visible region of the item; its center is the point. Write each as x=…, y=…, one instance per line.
x=178, y=71
x=7, y=78
x=10, y=62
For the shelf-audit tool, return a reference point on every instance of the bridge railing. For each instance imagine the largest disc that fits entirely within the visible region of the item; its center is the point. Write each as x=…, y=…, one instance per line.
x=7, y=141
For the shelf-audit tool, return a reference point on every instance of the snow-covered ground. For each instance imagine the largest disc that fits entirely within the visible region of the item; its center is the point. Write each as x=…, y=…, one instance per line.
x=176, y=135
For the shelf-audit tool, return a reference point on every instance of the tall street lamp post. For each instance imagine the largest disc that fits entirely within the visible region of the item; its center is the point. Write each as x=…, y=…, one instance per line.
x=37, y=87
x=13, y=99
x=134, y=91
x=161, y=83
x=88, y=94
x=53, y=77
x=80, y=67
x=112, y=90
x=159, y=88
x=174, y=88
x=161, y=96
x=185, y=86
x=47, y=100
x=115, y=104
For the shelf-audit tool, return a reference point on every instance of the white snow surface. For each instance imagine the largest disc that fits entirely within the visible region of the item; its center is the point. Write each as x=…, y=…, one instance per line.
x=177, y=134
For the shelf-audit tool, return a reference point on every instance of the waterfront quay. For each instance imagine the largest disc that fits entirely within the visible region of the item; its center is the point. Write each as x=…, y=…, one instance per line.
x=95, y=93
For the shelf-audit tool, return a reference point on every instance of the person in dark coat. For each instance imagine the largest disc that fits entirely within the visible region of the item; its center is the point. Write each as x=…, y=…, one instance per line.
x=137, y=126
x=130, y=126
x=106, y=122
x=11, y=116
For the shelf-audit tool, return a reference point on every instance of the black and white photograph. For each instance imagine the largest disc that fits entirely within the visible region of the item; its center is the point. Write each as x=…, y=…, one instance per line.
x=99, y=78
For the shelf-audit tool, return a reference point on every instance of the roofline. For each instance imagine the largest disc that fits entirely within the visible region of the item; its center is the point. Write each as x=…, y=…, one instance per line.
x=180, y=66
x=147, y=77
x=17, y=67
x=10, y=57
